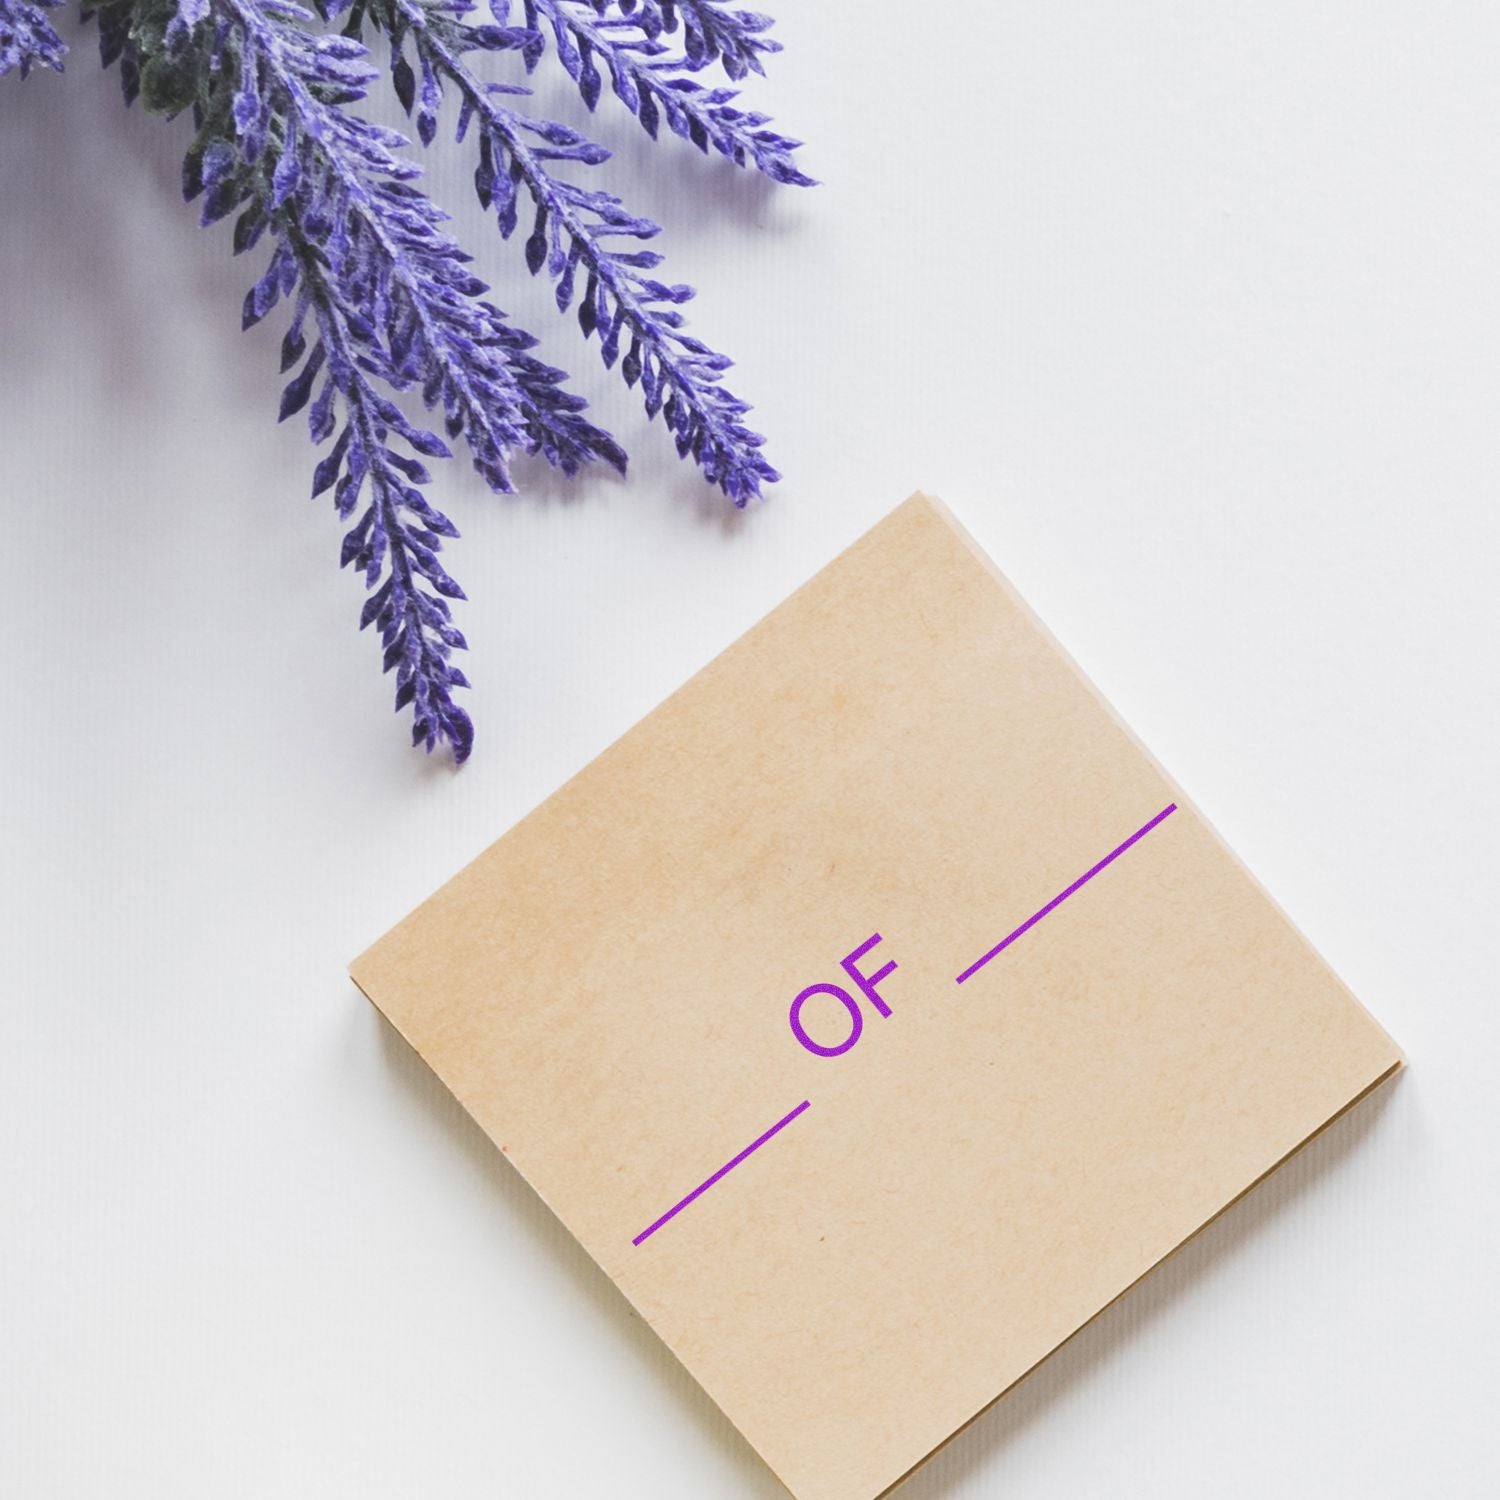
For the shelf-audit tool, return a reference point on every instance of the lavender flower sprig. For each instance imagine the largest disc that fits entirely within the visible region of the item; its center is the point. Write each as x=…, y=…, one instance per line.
x=27, y=39
x=647, y=75
x=679, y=375
x=383, y=301
x=712, y=32
x=389, y=298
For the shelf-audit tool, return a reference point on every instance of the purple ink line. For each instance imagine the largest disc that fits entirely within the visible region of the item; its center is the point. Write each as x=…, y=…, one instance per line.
x=728, y=1167
x=1058, y=900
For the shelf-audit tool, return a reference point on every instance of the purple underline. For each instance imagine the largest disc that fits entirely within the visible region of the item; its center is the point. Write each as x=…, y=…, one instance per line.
x=728, y=1167
x=1058, y=900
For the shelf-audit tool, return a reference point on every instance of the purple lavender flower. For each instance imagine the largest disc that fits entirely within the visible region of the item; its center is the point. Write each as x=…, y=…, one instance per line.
x=647, y=76
x=27, y=39
x=572, y=225
x=382, y=298
x=712, y=32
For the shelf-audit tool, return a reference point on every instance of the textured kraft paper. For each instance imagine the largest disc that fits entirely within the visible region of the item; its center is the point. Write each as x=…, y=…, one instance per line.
x=899, y=748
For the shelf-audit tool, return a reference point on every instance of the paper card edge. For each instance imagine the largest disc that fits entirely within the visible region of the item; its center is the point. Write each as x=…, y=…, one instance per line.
x=1397, y=1066
x=368, y=958
x=1225, y=847
x=610, y=1281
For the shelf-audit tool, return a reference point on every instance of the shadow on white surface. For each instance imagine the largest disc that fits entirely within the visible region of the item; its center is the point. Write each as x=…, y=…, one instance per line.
x=653, y=1361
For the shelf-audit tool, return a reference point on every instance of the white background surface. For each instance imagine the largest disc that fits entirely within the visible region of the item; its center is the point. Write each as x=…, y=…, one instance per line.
x=1190, y=311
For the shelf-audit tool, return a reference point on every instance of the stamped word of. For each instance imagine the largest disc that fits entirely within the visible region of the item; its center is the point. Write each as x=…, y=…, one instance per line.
x=841, y=1008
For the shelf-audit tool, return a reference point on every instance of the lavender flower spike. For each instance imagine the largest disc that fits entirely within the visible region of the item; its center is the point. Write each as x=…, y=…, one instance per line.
x=27, y=39
x=629, y=309
x=383, y=298
x=648, y=78
x=383, y=302
x=712, y=32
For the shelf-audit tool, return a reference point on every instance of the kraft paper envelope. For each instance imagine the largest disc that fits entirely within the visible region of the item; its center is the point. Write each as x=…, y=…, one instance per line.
x=876, y=1010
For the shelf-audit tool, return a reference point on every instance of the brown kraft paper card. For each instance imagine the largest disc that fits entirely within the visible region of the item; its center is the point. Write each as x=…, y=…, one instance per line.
x=876, y=1010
